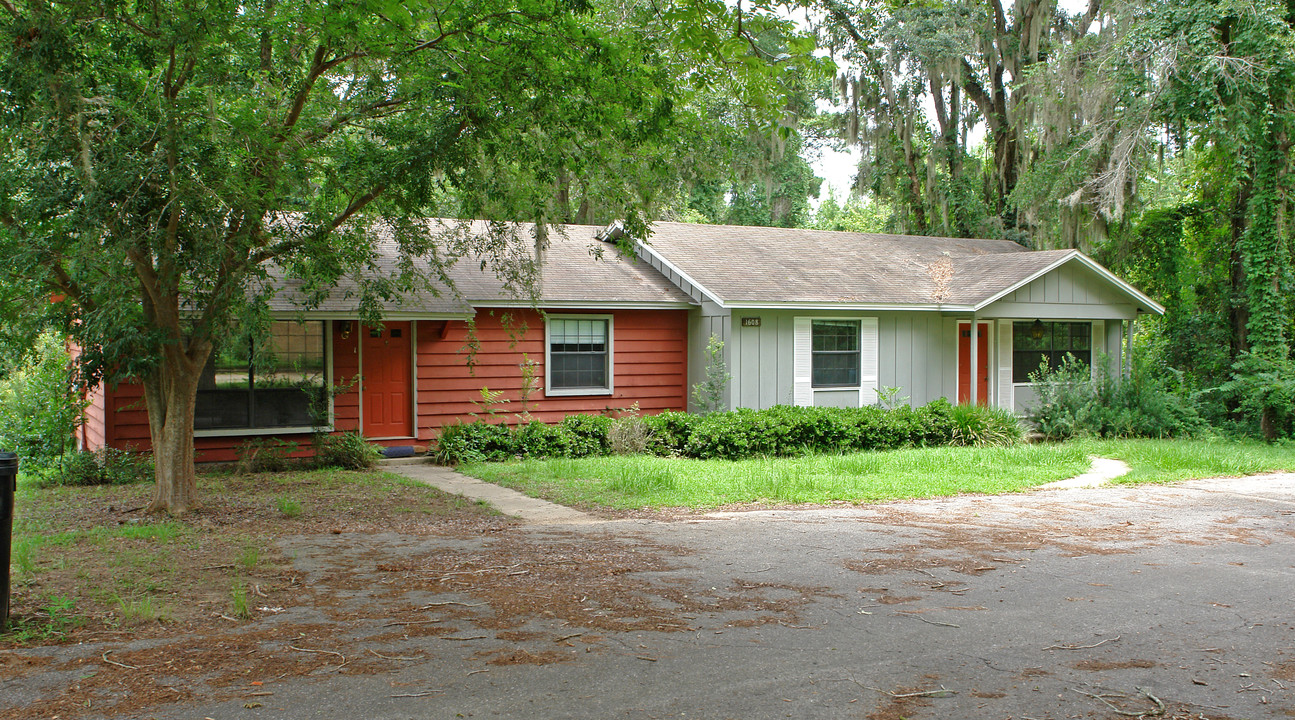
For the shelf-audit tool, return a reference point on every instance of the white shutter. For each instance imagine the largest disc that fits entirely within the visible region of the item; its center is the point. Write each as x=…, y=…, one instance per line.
x=870, y=350
x=1098, y=346
x=802, y=363
x=1006, y=394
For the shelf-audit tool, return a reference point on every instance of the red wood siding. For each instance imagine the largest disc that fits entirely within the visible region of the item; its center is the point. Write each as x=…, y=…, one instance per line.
x=346, y=372
x=650, y=368
x=649, y=364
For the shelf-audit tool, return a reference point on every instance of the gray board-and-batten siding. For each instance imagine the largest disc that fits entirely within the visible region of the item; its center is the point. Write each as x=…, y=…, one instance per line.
x=917, y=349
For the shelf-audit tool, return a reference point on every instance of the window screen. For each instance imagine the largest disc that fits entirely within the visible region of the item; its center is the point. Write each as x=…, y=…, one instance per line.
x=578, y=354
x=274, y=380
x=835, y=353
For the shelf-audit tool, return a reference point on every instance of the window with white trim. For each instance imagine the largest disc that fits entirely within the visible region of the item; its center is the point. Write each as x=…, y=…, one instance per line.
x=835, y=353
x=265, y=380
x=1037, y=343
x=579, y=355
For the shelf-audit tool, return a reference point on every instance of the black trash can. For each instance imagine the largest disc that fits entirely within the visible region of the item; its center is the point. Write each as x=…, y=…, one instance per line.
x=8, y=484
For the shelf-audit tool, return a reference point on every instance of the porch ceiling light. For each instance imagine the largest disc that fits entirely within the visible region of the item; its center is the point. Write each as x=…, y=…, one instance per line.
x=1037, y=330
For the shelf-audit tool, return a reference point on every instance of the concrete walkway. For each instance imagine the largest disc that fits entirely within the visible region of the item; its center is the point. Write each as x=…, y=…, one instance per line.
x=506, y=501
x=1103, y=471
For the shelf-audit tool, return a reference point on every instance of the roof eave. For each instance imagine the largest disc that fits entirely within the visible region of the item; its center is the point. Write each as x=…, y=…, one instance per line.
x=597, y=304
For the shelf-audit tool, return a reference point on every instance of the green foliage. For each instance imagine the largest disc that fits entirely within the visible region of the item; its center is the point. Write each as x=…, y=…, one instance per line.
x=288, y=507
x=39, y=406
x=238, y=604
x=975, y=426
x=474, y=442
x=853, y=215
x=536, y=439
x=1072, y=402
x=743, y=433
x=708, y=395
x=261, y=455
x=588, y=434
x=108, y=466
x=671, y=430
x=1263, y=392
x=347, y=450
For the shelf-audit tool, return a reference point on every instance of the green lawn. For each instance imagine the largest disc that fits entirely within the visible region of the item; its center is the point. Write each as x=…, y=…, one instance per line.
x=645, y=481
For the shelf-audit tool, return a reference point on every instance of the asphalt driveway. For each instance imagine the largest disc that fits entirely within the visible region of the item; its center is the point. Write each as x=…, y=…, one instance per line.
x=1175, y=602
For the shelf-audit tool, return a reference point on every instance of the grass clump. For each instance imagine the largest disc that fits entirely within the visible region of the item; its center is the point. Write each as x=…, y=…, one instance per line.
x=238, y=606
x=287, y=507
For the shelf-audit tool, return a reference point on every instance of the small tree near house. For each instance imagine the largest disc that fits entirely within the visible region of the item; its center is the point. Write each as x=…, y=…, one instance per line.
x=708, y=395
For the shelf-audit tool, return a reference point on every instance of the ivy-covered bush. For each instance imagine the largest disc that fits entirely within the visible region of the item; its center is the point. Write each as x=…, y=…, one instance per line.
x=670, y=431
x=775, y=432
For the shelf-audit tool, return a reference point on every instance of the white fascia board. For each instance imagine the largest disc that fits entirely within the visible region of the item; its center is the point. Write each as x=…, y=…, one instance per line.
x=1088, y=262
x=644, y=247
x=387, y=316
x=589, y=304
x=850, y=306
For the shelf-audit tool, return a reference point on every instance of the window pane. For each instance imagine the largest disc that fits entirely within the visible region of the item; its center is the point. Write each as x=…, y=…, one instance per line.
x=1059, y=339
x=578, y=354
x=835, y=353
x=266, y=384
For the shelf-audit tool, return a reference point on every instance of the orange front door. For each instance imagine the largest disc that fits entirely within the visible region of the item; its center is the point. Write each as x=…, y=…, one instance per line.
x=388, y=404
x=982, y=363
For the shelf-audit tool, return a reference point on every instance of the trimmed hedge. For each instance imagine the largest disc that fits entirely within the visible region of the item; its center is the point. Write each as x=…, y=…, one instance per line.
x=779, y=431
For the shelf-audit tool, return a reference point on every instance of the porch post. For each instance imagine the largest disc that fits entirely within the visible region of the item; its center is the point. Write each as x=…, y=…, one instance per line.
x=975, y=355
x=1127, y=363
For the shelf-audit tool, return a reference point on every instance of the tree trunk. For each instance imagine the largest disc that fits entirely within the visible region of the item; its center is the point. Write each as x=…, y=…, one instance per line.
x=170, y=394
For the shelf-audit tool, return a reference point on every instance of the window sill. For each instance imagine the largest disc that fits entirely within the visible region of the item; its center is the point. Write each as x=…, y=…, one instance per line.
x=836, y=387
x=575, y=392
x=235, y=432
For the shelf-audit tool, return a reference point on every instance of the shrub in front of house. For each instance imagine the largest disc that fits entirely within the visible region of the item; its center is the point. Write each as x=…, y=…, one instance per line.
x=1072, y=402
x=474, y=442
x=347, y=450
x=108, y=466
x=780, y=431
x=587, y=434
x=670, y=431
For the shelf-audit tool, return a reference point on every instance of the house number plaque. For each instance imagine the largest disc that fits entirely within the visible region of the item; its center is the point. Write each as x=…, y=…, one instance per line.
x=750, y=322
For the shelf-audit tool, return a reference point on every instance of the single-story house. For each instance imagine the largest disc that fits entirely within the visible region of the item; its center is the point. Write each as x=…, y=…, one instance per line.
x=807, y=317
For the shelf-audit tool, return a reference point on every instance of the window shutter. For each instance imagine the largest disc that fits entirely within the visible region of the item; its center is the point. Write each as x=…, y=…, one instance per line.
x=870, y=356
x=1006, y=394
x=802, y=364
x=1098, y=345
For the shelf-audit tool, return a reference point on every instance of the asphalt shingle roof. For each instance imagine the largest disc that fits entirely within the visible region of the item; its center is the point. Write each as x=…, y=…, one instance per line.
x=741, y=264
x=577, y=268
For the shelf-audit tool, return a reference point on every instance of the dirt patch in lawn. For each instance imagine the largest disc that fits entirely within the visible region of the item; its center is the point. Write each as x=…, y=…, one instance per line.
x=97, y=568
x=365, y=575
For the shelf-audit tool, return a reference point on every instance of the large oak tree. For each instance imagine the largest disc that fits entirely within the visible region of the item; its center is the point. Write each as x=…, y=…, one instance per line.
x=159, y=159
